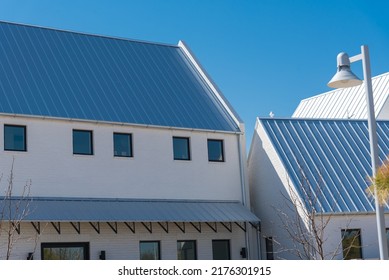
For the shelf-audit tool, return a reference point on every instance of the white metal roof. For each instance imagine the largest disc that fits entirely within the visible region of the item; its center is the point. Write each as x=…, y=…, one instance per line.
x=347, y=103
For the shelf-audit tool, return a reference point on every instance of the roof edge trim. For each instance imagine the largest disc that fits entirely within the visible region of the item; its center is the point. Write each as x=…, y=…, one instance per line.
x=210, y=83
x=120, y=123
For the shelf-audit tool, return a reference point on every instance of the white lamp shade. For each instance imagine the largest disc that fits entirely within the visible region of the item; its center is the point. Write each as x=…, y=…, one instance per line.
x=344, y=78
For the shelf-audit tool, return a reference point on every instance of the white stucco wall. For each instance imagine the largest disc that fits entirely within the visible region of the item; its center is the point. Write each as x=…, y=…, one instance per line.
x=152, y=173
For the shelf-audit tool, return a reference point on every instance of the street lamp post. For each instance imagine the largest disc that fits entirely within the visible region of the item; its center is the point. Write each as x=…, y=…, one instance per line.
x=345, y=78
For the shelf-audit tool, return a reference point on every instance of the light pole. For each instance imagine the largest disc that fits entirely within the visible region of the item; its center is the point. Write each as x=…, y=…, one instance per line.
x=345, y=78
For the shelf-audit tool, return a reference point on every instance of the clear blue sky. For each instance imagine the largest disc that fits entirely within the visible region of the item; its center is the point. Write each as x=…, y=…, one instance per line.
x=264, y=55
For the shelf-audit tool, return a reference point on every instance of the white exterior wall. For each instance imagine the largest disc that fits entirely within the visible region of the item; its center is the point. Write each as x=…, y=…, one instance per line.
x=365, y=222
x=152, y=173
x=124, y=245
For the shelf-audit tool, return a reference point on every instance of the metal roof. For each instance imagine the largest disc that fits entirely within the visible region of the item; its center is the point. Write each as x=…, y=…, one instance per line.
x=128, y=210
x=333, y=156
x=61, y=74
x=347, y=103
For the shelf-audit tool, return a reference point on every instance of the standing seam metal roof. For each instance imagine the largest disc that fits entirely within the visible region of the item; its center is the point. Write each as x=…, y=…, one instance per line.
x=346, y=103
x=333, y=156
x=60, y=74
x=126, y=210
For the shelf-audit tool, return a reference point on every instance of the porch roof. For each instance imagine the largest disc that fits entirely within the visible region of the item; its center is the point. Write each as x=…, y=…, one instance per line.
x=41, y=209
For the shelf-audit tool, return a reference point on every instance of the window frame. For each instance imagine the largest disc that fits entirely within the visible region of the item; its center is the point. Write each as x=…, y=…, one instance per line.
x=356, y=248
x=84, y=245
x=150, y=241
x=24, y=135
x=131, y=151
x=189, y=158
x=195, y=249
x=221, y=141
x=91, y=142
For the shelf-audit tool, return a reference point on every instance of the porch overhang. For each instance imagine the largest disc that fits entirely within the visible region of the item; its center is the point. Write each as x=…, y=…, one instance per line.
x=49, y=209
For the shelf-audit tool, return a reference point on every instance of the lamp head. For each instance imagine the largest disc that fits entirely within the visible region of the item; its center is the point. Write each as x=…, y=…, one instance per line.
x=344, y=77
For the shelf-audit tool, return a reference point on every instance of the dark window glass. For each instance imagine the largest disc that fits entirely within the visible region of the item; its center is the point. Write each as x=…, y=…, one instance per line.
x=122, y=145
x=221, y=249
x=351, y=244
x=65, y=251
x=269, y=248
x=387, y=237
x=15, y=138
x=181, y=148
x=186, y=250
x=215, y=150
x=82, y=142
x=149, y=250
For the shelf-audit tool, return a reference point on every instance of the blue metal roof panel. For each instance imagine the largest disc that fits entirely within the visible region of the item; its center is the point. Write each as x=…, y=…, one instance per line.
x=130, y=210
x=331, y=157
x=53, y=73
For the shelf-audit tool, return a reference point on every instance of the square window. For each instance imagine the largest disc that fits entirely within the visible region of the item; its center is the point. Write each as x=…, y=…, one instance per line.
x=387, y=237
x=181, y=148
x=65, y=251
x=15, y=138
x=186, y=250
x=122, y=145
x=221, y=249
x=351, y=244
x=149, y=250
x=82, y=142
x=215, y=150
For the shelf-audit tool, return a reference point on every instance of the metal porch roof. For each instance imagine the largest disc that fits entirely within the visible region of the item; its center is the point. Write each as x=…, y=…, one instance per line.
x=41, y=209
x=332, y=154
x=61, y=74
x=346, y=103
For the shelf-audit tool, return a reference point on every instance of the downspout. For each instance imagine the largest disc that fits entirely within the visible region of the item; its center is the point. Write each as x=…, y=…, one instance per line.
x=258, y=233
x=243, y=183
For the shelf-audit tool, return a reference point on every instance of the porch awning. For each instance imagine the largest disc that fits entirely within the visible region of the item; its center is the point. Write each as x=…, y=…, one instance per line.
x=48, y=209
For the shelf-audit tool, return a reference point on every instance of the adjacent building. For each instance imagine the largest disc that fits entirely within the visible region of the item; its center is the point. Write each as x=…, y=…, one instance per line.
x=318, y=167
x=118, y=149
x=347, y=103
x=310, y=173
